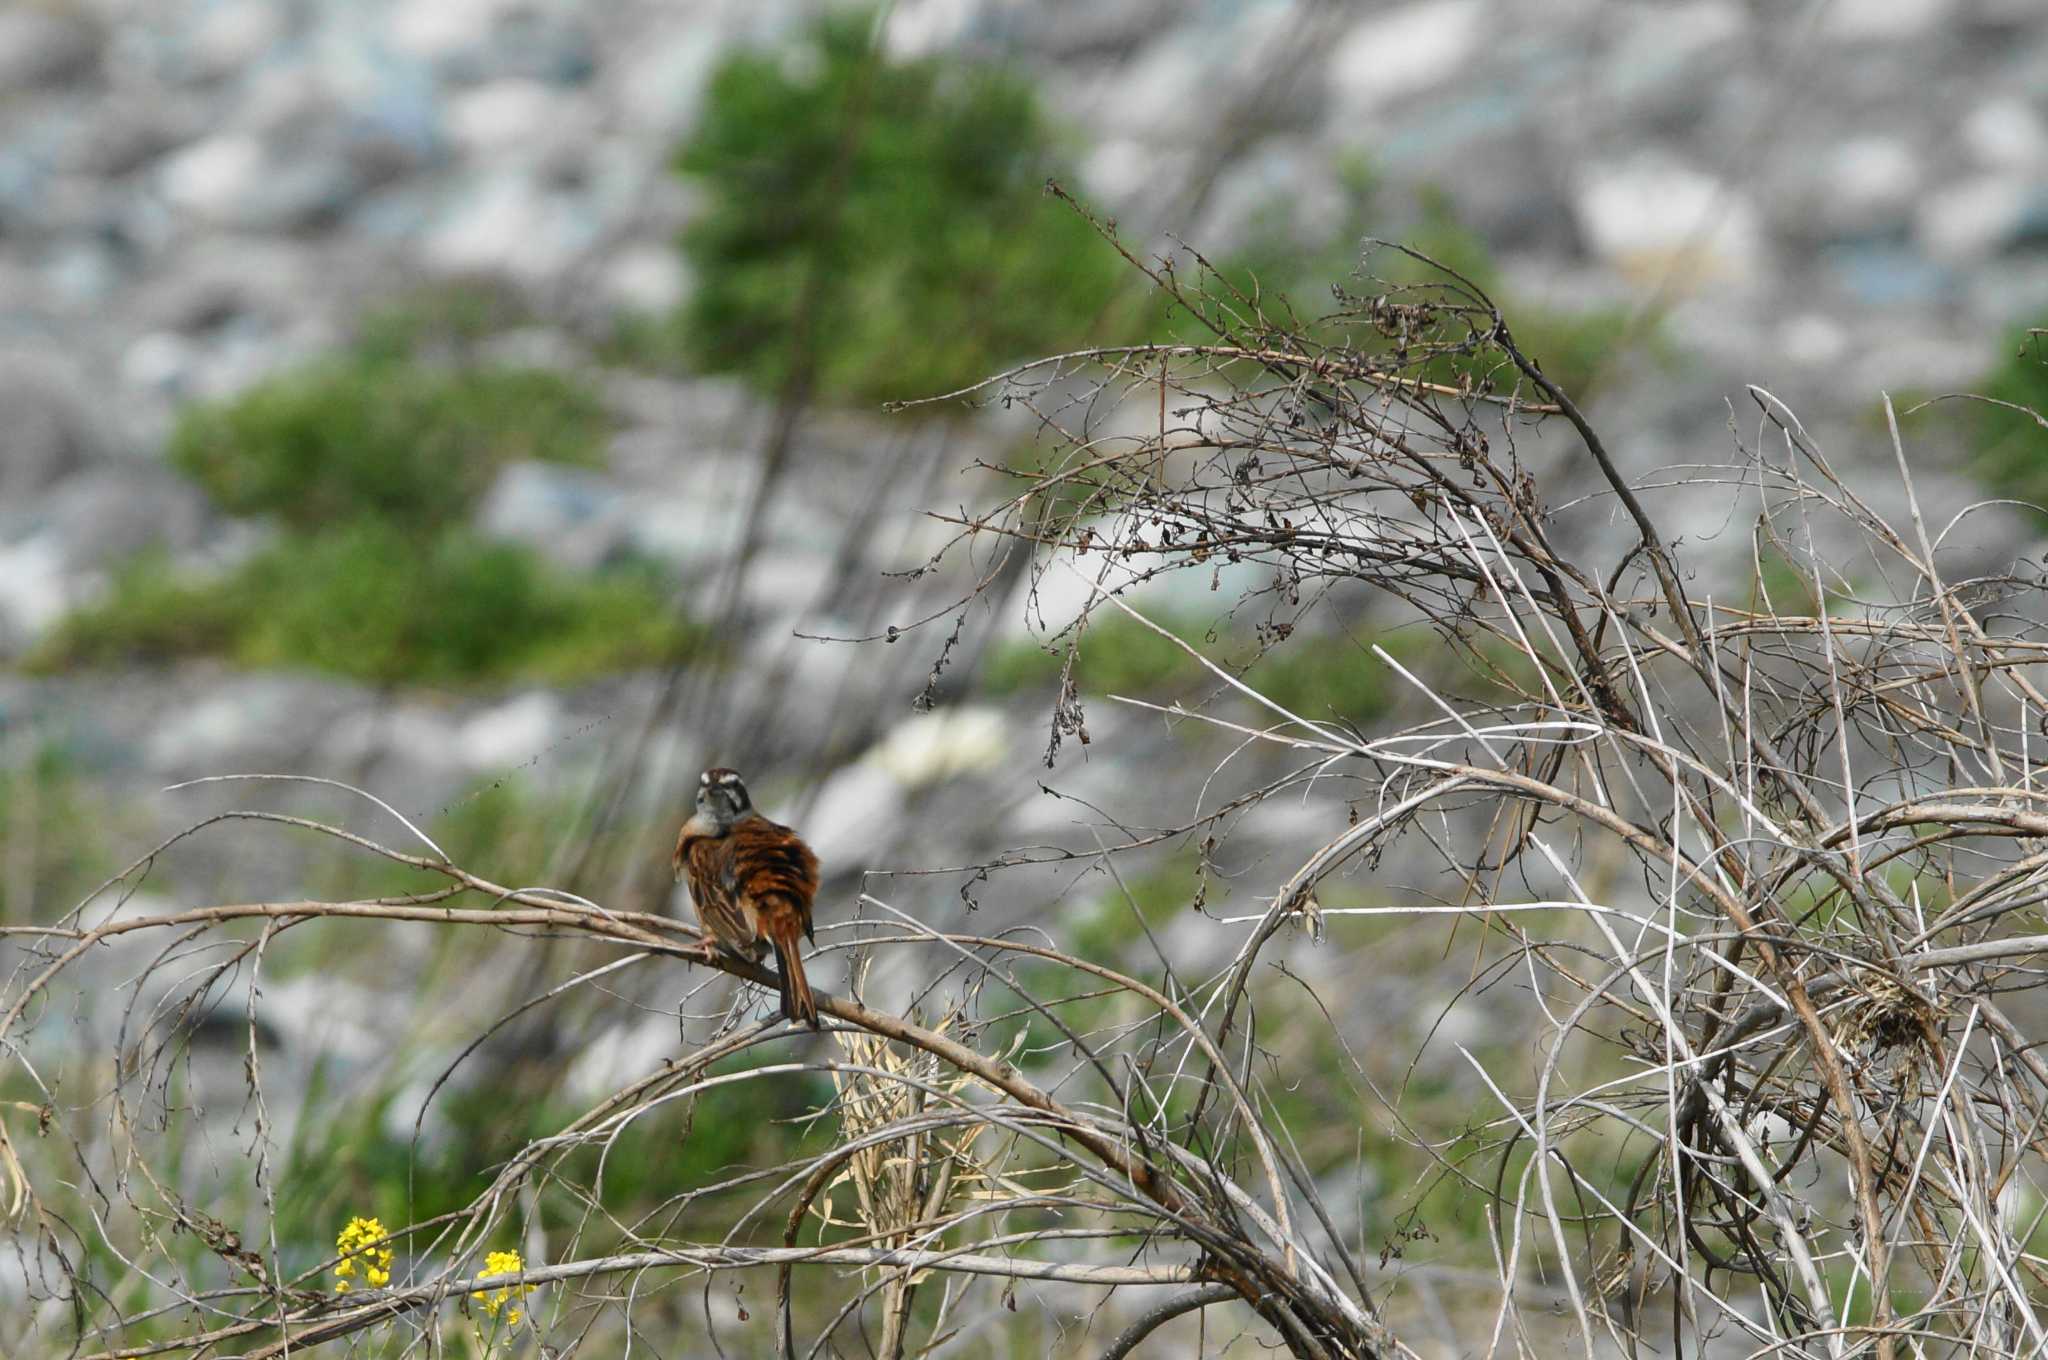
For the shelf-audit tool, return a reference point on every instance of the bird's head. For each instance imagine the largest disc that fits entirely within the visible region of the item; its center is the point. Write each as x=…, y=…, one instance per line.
x=721, y=800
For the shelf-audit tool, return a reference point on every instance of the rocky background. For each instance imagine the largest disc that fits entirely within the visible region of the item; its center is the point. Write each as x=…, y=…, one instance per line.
x=199, y=196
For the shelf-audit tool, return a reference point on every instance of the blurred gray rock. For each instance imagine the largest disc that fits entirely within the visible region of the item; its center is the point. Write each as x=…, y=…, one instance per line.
x=1285, y=193
x=856, y=811
x=45, y=45
x=511, y=733
x=49, y=424
x=1867, y=185
x=302, y=157
x=160, y=363
x=1884, y=20
x=229, y=36
x=2006, y=133
x=571, y=515
x=648, y=278
x=409, y=748
x=1402, y=51
x=1887, y=274
x=1652, y=216
x=661, y=80
x=35, y=590
x=1983, y=216
x=477, y=40
x=507, y=221
x=107, y=513
x=218, y=178
x=507, y=117
x=223, y=277
x=246, y=723
x=80, y=273
x=123, y=131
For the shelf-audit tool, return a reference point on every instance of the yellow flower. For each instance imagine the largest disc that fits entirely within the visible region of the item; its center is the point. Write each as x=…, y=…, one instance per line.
x=355, y=1246
x=496, y=1264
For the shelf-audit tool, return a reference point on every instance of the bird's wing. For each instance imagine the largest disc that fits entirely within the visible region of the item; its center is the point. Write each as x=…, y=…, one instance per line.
x=774, y=868
x=709, y=863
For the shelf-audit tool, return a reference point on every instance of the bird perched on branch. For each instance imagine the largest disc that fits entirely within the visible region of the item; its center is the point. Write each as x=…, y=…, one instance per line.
x=752, y=881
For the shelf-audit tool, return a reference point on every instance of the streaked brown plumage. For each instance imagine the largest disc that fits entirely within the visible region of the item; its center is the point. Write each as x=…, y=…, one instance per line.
x=752, y=881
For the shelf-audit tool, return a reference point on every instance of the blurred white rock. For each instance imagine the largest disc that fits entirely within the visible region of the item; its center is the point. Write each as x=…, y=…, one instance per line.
x=215, y=176
x=1976, y=218
x=1813, y=340
x=511, y=733
x=1882, y=20
x=661, y=85
x=508, y=115
x=505, y=221
x=34, y=589
x=1405, y=50
x=619, y=1055
x=691, y=532
x=1868, y=181
x=2007, y=134
x=229, y=37
x=857, y=810
x=160, y=361
x=253, y=722
x=45, y=44
x=921, y=28
x=316, y=1013
x=1663, y=223
x=932, y=747
x=646, y=277
x=571, y=515
x=444, y=28
x=419, y=737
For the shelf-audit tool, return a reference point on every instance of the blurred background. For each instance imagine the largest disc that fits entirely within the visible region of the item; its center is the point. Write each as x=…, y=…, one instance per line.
x=482, y=402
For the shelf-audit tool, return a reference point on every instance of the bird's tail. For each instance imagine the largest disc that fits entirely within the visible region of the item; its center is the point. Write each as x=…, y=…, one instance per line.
x=785, y=932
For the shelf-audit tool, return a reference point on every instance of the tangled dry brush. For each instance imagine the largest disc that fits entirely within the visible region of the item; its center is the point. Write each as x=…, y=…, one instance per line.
x=1768, y=868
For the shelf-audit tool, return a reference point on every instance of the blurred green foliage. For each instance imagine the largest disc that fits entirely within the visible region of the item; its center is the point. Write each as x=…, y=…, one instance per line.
x=2010, y=449
x=1573, y=348
x=359, y=1163
x=1317, y=676
x=366, y=436
x=445, y=315
x=51, y=846
x=1118, y=655
x=372, y=461
x=902, y=203
x=1113, y=924
x=373, y=602
x=505, y=828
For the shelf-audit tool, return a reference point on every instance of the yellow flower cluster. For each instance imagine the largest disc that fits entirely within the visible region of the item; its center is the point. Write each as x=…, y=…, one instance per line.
x=355, y=1247
x=502, y=1263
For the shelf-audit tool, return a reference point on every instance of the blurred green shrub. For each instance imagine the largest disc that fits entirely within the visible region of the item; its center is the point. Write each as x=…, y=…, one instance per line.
x=51, y=847
x=2010, y=450
x=902, y=201
x=379, y=437
x=372, y=460
x=376, y=603
x=443, y=314
x=357, y=1162
x=1315, y=676
x=1574, y=348
x=1118, y=656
